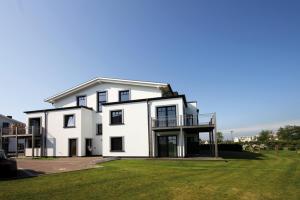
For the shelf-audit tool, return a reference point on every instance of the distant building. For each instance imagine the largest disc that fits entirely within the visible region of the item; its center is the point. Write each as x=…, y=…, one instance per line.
x=6, y=124
x=245, y=139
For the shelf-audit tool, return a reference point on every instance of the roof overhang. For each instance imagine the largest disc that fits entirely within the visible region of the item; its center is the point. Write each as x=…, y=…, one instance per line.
x=100, y=80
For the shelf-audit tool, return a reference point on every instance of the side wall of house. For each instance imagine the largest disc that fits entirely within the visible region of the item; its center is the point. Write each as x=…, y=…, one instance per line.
x=58, y=136
x=134, y=130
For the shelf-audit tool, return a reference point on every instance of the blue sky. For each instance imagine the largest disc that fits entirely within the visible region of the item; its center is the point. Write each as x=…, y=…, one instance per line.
x=240, y=59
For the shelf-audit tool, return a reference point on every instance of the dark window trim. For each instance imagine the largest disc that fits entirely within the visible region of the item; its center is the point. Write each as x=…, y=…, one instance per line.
x=102, y=102
x=77, y=100
x=97, y=127
x=117, y=110
x=56, y=109
x=65, y=121
x=129, y=95
x=148, y=99
x=123, y=143
x=166, y=106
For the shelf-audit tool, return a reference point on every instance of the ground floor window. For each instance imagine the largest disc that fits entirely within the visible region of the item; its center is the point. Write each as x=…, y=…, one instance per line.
x=116, y=144
x=99, y=129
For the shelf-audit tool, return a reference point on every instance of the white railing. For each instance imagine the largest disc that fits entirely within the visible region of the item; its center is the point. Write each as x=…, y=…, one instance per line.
x=184, y=120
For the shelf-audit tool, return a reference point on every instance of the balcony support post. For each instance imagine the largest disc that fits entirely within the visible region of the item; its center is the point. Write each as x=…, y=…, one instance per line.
x=17, y=142
x=182, y=143
x=215, y=134
x=1, y=138
x=32, y=141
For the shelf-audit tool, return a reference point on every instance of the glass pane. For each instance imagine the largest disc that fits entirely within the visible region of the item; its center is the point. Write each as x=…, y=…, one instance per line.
x=172, y=140
x=81, y=101
x=124, y=95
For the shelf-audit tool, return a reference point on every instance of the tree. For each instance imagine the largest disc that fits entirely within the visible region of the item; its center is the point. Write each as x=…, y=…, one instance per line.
x=264, y=136
x=220, y=137
x=289, y=133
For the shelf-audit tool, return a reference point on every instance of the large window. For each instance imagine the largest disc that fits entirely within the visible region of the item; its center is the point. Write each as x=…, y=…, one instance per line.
x=101, y=99
x=124, y=95
x=116, y=144
x=116, y=117
x=81, y=101
x=166, y=116
x=99, y=129
x=69, y=121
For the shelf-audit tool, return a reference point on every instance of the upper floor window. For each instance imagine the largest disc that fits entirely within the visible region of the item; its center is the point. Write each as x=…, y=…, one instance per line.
x=116, y=117
x=69, y=121
x=124, y=95
x=101, y=98
x=81, y=101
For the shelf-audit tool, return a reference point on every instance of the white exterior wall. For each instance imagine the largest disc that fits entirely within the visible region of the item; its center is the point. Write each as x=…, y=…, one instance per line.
x=178, y=102
x=136, y=92
x=58, y=136
x=134, y=130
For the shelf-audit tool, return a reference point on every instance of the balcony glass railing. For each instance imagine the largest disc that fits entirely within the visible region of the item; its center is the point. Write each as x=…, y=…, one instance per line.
x=183, y=120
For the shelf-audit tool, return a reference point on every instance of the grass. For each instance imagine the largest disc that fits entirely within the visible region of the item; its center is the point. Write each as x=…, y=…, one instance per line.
x=270, y=177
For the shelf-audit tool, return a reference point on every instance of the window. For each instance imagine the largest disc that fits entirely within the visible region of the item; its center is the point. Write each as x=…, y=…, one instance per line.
x=124, y=95
x=166, y=116
x=116, y=144
x=69, y=121
x=116, y=117
x=99, y=129
x=81, y=101
x=5, y=124
x=101, y=99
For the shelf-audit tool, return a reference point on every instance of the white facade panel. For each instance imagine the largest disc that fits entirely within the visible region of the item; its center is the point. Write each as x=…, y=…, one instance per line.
x=134, y=130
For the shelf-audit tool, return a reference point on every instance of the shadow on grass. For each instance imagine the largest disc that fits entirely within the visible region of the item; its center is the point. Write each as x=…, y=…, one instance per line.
x=21, y=174
x=241, y=155
x=234, y=155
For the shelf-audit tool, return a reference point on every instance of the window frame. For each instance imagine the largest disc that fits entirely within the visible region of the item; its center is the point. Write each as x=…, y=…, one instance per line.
x=77, y=100
x=129, y=96
x=64, y=125
x=106, y=98
x=110, y=117
x=123, y=144
x=97, y=127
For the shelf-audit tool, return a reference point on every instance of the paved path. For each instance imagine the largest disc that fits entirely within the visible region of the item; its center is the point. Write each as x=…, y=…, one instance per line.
x=34, y=167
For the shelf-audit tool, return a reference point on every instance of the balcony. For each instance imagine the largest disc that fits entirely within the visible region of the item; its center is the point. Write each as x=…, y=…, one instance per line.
x=185, y=121
x=20, y=131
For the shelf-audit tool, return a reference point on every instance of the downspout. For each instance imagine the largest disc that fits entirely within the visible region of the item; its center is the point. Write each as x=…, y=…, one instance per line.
x=149, y=129
x=45, y=135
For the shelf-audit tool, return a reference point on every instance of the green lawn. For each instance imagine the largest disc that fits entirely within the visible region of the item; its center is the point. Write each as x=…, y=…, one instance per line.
x=271, y=177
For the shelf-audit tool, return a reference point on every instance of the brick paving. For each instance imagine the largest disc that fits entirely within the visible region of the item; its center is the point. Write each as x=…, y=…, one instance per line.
x=34, y=167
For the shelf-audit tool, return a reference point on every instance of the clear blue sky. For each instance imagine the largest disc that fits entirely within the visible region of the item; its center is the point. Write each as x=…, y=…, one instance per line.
x=240, y=59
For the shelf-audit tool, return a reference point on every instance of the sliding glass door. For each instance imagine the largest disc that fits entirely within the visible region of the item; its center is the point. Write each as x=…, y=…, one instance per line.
x=167, y=146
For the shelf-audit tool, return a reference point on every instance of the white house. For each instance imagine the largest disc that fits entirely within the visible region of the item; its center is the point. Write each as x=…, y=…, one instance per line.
x=116, y=117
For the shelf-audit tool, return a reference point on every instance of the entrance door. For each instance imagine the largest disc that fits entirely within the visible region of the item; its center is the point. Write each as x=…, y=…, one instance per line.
x=72, y=147
x=167, y=146
x=88, y=147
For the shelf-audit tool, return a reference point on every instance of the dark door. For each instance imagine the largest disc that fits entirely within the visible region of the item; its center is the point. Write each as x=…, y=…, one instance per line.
x=166, y=116
x=72, y=147
x=192, y=143
x=88, y=147
x=167, y=146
